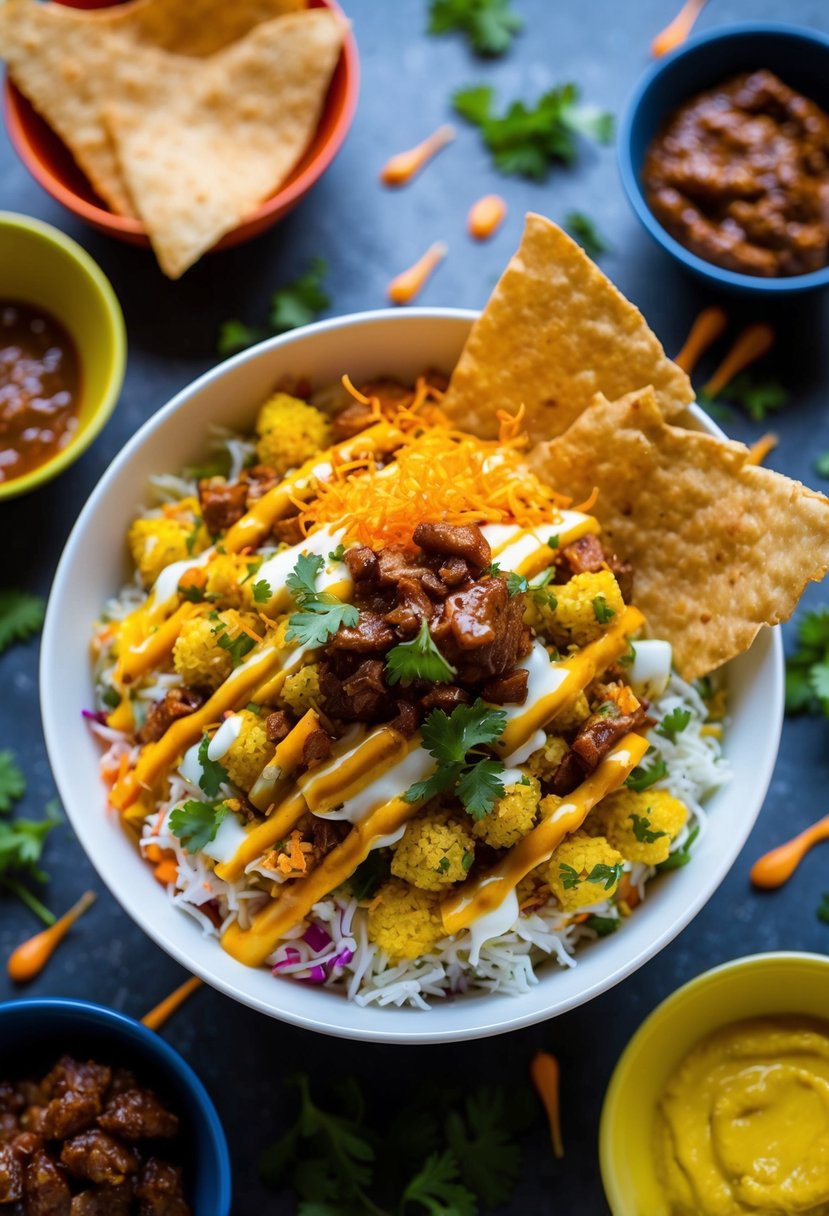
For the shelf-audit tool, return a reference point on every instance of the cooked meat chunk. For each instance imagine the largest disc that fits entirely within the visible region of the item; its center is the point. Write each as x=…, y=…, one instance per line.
x=45, y=1189
x=277, y=725
x=370, y=634
x=73, y=1076
x=288, y=531
x=99, y=1157
x=27, y=1144
x=78, y=1091
x=568, y=775
x=623, y=572
x=481, y=631
x=349, y=422
x=260, y=479
x=361, y=562
x=122, y=1080
x=406, y=720
x=394, y=563
x=357, y=696
x=33, y=1119
x=11, y=1174
x=222, y=503
x=160, y=1191
x=316, y=747
x=455, y=540
x=454, y=571
x=137, y=1114
x=510, y=689
x=585, y=555
x=326, y=834
x=9, y=1126
x=104, y=1201
x=598, y=734
x=177, y=703
x=413, y=606
x=445, y=697
x=11, y=1100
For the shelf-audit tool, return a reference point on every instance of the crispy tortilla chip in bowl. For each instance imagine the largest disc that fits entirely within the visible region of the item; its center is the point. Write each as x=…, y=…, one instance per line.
x=90, y=146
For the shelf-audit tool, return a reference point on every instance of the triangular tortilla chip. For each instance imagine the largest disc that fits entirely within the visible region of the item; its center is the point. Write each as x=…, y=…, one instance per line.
x=719, y=546
x=188, y=27
x=198, y=152
x=554, y=333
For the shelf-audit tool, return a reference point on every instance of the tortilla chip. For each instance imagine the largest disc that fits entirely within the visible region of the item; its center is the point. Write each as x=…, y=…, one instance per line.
x=554, y=333
x=719, y=546
x=187, y=27
x=200, y=150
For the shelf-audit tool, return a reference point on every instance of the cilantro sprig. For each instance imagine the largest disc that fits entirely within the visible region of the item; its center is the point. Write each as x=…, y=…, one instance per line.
x=489, y=25
x=12, y=781
x=643, y=831
x=644, y=776
x=293, y=305
x=320, y=614
x=213, y=775
x=527, y=140
x=455, y=740
x=823, y=908
x=674, y=723
x=604, y=875
x=681, y=856
x=419, y=659
x=757, y=396
x=583, y=230
x=196, y=823
x=21, y=616
x=807, y=668
x=22, y=840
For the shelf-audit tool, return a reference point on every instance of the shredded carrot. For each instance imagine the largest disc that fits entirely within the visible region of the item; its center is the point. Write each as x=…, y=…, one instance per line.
x=760, y=449
x=409, y=283
x=754, y=342
x=402, y=167
x=703, y=333
x=355, y=392
x=546, y=1077
x=675, y=34
x=158, y=1015
x=166, y=872
x=589, y=502
x=628, y=895
x=31, y=956
x=486, y=216
x=777, y=867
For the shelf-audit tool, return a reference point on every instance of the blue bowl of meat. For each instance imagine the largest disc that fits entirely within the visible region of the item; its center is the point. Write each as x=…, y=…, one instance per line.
x=100, y=1117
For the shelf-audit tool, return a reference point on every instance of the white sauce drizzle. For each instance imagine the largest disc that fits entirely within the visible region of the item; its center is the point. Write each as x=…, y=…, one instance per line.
x=523, y=753
x=544, y=678
x=651, y=668
x=492, y=924
x=190, y=767
x=394, y=782
x=227, y=841
x=225, y=737
x=166, y=585
x=276, y=569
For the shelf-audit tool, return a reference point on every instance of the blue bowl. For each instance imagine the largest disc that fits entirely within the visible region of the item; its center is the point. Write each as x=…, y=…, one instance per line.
x=34, y=1034
x=800, y=57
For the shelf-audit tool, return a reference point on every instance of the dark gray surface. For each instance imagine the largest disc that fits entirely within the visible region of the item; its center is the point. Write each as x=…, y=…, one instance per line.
x=367, y=234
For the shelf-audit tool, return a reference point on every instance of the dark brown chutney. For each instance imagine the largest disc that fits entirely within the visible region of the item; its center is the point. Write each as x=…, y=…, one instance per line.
x=740, y=176
x=39, y=388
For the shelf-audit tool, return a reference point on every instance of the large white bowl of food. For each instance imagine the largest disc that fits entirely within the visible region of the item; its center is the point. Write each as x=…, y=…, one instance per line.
x=429, y=691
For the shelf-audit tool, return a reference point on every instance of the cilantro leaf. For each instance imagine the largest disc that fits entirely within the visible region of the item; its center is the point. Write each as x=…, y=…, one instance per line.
x=321, y=614
x=489, y=1160
x=823, y=908
x=642, y=830
x=452, y=740
x=437, y=1191
x=449, y=738
x=21, y=615
x=602, y=926
x=419, y=659
x=570, y=877
x=819, y=681
x=12, y=781
x=235, y=336
x=196, y=823
x=337, y=555
x=807, y=669
x=602, y=610
x=643, y=777
x=213, y=774
x=821, y=465
x=608, y=876
x=489, y=25
x=583, y=230
x=369, y=875
x=681, y=856
x=516, y=584
x=674, y=723
x=756, y=396
x=21, y=847
x=302, y=580
x=491, y=570
x=526, y=141
x=480, y=786
x=237, y=647
x=261, y=591
x=299, y=303
x=441, y=781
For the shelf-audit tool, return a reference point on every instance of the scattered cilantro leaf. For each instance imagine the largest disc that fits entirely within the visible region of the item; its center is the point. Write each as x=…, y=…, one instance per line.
x=12, y=781
x=823, y=908
x=480, y=786
x=252, y=568
x=807, y=668
x=193, y=536
x=194, y=594
x=337, y=555
x=608, y=876
x=526, y=141
x=449, y=737
x=436, y=1190
x=492, y=569
x=21, y=615
x=478, y=1135
x=237, y=647
x=602, y=926
x=452, y=740
x=517, y=584
x=21, y=847
x=602, y=610
x=320, y=614
x=644, y=776
x=629, y=657
x=570, y=877
x=821, y=465
x=302, y=580
x=553, y=541
x=681, y=856
x=196, y=823
x=443, y=865
x=261, y=591
x=489, y=25
x=298, y=303
x=213, y=774
x=757, y=397
x=111, y=697
x=419, y=659
x=642, y=830
x=583, y=230
x=674, y=723
x=467, y=861
x=235, y=336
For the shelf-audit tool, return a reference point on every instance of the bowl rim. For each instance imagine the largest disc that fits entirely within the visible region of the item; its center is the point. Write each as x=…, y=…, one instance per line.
x=131, y=227
x=629, y=172
x=724, y=972
x=134, y=1032
x=116, y=338
x=500, y=1021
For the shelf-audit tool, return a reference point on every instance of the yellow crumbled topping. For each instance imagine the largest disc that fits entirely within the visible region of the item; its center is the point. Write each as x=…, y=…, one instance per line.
x=249, y=753
x=224, y=576
x=545, y=761
x=155, y=543
x=573, y=714
x=301, y=690
x=290, y=432
x=512, y=816
x=199, y=658
x=628, y=819
x=437, y=850
x=404, y=921
x=580, y=854
x=586, y=607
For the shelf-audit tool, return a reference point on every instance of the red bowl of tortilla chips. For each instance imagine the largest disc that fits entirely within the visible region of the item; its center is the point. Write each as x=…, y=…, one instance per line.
x=53, y=165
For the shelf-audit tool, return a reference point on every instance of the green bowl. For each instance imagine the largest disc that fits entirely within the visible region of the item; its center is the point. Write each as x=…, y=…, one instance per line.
x=756, y=986
x=41, y=267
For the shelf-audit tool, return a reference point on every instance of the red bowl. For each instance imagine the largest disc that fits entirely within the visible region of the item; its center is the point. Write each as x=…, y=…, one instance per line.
x=52, y=165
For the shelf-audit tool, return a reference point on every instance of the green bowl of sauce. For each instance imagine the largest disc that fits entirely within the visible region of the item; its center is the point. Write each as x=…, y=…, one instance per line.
x=62, y=352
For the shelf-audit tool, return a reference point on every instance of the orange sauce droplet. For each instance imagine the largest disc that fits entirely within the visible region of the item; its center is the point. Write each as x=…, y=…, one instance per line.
x=409, y=283
x=486, y=216
x=402, y=168
x=706, y=329
x=754, y=342
x=546, y=1077
x=31, y=956
x=758, y=451
x=166, y=1008
x=675, y=34
x=777, y=867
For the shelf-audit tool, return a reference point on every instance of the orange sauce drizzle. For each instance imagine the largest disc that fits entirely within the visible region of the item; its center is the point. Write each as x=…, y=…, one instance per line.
x=409, y=283
x=777, y=866
x=486, y=216
x=404, y=166
x=705, y=330
x=31, y=956
x=675, y=34
x=754, y=342
x=159, y=1014
x=546, y=1077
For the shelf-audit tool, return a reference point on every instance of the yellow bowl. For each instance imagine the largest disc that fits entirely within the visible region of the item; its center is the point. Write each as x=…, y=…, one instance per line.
x=41, y=267
x=760, y=984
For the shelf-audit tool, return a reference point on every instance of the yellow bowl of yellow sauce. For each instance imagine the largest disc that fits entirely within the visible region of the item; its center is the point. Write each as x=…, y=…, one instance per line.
x=720, y=1102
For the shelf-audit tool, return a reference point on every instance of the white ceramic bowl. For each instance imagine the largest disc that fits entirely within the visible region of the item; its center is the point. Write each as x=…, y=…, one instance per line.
x=94, y=566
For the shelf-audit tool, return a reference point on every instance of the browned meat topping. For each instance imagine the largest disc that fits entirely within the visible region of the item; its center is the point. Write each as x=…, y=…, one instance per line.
x=11, y=1174
x=104, y=1201
x=455, y=540
x=361, y=562
x=222, y=503
x=45, y=1188
x=288, y=531
x=370, y=634
x=349, y=422
x=316, y=747
x=601, y=731
x=413, y=606
x=277, y=726
x=482, y=632
x=326, y=834
x=510, y=689
x=98, y=1157
x=177, y=703
x=260, y=479
x=623, y=573
x=159, y=1190
x=137, y=1114
x=354, y=693
x=445, y=697
x=585, y=555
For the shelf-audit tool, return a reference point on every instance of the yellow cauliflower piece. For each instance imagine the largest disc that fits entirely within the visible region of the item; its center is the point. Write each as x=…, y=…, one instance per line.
x=198, y=656
x=290, y=432
x=576, y=858
x=404, y=921
x=630, y=820
x=512, y=816
x=155, y=543
x=544, y=762
x=249, y=753
x=301, y=689
x=585, y=607
x=436, y=850
x=573, y=714
x=224, y=576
